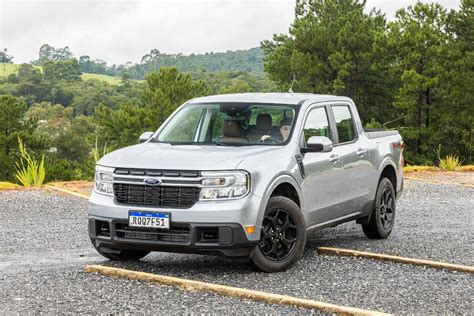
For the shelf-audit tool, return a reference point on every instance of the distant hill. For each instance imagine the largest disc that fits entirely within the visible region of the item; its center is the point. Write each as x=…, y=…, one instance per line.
x=246, y=60
x=250, y=60
x=8, y=69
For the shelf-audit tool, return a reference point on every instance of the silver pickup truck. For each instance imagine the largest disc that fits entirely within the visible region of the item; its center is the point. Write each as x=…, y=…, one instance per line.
x=246, y=176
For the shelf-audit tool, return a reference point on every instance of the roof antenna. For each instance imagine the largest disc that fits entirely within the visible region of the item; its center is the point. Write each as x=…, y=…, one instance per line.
x=291, y=86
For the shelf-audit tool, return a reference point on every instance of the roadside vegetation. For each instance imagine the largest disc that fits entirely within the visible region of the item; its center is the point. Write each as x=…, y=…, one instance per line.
x=8, y=185
x=414, y=74
x=29, y=171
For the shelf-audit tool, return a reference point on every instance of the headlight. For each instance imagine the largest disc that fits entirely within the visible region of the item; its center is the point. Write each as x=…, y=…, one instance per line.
x=218, y=185
x=103, y=180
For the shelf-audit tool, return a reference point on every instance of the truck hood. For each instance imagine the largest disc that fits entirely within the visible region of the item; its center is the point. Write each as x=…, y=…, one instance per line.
x=181, y=157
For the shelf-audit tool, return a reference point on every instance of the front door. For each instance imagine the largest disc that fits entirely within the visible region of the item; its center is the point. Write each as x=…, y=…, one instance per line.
x=323, y=170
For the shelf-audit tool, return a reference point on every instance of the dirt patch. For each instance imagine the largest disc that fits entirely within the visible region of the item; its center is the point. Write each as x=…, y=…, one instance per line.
x=83, y=187
x=464, y=178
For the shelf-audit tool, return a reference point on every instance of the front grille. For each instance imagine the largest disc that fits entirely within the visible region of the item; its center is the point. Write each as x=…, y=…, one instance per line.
x=159, y=196
x=178, y=234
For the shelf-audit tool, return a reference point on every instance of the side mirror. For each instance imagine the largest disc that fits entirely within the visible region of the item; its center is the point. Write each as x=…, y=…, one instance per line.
x=318, y=144
x=145, y=136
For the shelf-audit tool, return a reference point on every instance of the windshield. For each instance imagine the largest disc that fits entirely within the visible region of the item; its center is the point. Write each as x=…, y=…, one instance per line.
x=231, y=124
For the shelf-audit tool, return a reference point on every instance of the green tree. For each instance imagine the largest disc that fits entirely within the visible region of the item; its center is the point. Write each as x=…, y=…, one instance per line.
x=88, y=94
x=45, y=53
x=85, y=64
x=49, y=53
x=163, y=93
x=454, y=120
x=418, y=39
x=11, y=127
x=67, y=70
x=27, y=72
x=123, y=126
x=333, y=47
x=236, y=86
x=5, y=58
x=72, y=143
x=166, y=90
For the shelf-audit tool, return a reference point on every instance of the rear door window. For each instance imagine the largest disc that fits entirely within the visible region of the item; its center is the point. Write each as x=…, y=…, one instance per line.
x=344, y=123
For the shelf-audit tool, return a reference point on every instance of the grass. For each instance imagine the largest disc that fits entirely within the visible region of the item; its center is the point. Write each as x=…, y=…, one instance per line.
x=109, y=79
x=466, y=168
x=408, y=169
x=8, y=185
x=8, y=69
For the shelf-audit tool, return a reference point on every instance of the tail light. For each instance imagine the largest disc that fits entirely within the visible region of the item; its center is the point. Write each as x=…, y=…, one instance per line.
x=400, y=145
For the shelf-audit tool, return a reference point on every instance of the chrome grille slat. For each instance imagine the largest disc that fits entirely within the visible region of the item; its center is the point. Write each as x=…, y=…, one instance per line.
x=158, y=173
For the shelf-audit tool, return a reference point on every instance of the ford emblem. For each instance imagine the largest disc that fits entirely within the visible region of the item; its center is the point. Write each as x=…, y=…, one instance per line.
x=152, y=181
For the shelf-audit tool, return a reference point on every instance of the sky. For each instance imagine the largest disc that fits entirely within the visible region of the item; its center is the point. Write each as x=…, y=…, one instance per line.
x=120, y=31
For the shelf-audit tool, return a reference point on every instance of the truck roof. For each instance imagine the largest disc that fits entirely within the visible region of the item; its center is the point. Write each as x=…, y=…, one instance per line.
x=273, y=98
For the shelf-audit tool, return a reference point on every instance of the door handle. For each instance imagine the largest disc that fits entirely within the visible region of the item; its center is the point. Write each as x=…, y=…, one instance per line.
x=361, y=152
x=334, y=158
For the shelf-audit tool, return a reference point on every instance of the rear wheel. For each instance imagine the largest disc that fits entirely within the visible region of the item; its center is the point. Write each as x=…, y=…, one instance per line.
x=122, y=254
x=383, y=212
x=283, y=236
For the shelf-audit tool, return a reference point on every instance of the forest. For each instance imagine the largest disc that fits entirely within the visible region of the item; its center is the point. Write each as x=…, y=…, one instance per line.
x=413, y=73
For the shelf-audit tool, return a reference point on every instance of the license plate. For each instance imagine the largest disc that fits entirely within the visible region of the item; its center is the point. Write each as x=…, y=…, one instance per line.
x=149, y=219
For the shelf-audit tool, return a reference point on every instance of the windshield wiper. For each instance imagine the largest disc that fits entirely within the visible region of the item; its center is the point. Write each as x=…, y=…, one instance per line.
x=229, y=144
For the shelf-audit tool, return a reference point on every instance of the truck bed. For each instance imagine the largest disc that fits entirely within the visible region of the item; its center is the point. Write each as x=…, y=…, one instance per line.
x=377, y=133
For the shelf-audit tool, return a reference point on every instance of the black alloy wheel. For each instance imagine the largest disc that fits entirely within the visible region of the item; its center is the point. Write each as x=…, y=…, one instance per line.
x=283, y=236
x=386, y=208
x=382, y=218
x=279, y=235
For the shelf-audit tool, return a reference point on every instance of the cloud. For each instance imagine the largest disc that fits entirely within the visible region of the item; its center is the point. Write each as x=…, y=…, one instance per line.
x=124, y=31
x=121, y=31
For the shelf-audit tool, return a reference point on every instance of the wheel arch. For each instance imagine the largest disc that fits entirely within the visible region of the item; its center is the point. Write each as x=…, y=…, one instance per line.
x=285, y=185
x=389, y=172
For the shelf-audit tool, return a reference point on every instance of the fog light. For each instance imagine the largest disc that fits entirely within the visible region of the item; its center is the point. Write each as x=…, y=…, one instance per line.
x=249, y=229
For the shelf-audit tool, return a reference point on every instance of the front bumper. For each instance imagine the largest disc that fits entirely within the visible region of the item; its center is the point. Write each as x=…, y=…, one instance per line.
x=228, y=239
x=244, y=211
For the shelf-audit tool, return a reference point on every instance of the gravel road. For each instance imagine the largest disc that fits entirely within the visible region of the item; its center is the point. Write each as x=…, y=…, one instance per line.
x=44, y=248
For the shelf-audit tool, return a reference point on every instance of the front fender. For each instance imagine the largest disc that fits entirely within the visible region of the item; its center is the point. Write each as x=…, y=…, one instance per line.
x=275, y=182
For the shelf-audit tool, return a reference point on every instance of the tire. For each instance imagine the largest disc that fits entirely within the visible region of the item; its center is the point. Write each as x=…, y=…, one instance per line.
x=382, y=218
x=123, y=254
x=283, y=236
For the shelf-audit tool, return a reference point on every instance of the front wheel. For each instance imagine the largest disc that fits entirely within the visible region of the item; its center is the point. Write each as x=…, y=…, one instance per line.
x=383, y=212
x=283, y=236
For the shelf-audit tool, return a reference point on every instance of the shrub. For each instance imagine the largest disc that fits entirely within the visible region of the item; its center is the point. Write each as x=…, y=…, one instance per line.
x=95, y=151
x=61, y=169
x=29, y=171
x=450, y=162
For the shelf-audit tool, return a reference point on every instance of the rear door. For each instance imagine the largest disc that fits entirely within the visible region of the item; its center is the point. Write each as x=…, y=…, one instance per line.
x=353, y=154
